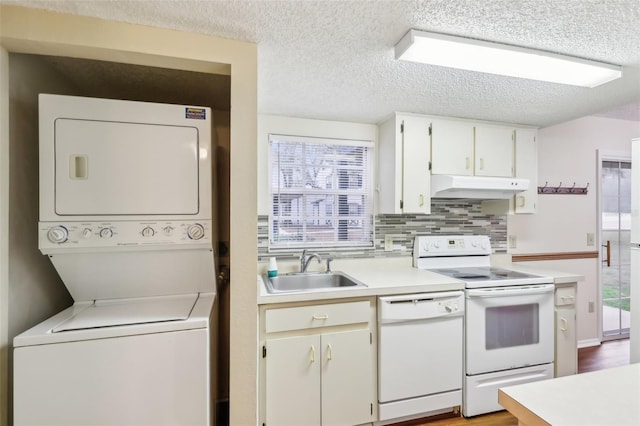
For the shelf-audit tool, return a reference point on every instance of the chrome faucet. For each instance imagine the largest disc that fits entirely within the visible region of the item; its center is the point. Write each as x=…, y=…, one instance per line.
x=306, y=258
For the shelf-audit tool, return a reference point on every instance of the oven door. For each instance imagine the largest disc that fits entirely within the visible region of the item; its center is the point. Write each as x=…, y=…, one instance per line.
x=508, y=327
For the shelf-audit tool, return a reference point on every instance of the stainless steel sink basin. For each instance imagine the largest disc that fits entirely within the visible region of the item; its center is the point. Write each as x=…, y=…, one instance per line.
x=309, y=282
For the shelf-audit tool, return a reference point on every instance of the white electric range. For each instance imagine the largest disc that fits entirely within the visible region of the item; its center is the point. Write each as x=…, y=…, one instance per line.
x=509, y=337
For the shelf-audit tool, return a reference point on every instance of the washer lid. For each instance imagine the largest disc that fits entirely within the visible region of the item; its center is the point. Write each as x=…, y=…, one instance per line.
x=115, y=312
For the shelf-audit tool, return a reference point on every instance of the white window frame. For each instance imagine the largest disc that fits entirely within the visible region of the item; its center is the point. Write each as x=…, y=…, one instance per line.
x=363, y=222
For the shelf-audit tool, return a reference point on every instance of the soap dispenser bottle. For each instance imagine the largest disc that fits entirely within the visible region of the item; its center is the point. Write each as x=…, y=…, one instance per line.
x=272, y=270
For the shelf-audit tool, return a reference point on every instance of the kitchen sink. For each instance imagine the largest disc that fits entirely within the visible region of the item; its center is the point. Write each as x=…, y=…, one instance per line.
x=299, y=282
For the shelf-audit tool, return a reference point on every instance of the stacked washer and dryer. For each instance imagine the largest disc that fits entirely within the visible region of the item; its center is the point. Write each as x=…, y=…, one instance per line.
x=125, y=218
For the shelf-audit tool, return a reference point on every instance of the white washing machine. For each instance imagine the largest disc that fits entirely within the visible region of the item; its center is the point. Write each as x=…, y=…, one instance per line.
x=125, y=218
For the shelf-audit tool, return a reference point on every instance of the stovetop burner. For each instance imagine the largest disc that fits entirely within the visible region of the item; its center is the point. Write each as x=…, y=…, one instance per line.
x=489, y=276
x=467, y=258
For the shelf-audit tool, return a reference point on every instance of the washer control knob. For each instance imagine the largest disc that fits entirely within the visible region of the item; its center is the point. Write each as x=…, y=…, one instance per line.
x=58, y=234
x=106, y=233
x=87, y=233
x=148, y=232
x=168, y=230
x=195, y=231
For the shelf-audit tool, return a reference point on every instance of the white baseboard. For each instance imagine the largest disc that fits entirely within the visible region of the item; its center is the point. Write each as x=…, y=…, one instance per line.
x=588, y=342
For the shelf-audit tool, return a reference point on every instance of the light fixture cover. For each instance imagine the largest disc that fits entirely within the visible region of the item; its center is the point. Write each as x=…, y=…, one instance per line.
x=495, y=58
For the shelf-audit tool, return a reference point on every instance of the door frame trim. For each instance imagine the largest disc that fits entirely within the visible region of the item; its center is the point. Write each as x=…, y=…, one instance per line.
x=603, y=155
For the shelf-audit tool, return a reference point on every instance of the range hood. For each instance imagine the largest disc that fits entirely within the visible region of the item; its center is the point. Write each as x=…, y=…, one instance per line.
x=479, y=187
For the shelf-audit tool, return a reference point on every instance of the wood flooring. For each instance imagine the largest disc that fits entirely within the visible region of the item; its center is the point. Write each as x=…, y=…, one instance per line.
x=608, y=354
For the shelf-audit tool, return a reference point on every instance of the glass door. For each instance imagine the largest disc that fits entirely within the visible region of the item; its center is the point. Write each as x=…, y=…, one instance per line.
x=615, y=210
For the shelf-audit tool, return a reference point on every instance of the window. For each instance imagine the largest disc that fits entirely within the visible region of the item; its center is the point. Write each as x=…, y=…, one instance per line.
x=321, y=192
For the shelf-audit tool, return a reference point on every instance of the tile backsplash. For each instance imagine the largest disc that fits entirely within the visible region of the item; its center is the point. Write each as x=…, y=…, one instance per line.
x=448, y=217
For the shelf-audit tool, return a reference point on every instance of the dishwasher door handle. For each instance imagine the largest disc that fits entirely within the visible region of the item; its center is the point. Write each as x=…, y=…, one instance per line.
x=391, y=320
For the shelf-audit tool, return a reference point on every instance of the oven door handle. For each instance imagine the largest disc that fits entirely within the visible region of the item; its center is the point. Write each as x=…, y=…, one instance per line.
x=511, y=291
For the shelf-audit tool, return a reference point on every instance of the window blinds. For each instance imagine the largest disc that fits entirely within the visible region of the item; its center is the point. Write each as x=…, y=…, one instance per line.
x=321, y=192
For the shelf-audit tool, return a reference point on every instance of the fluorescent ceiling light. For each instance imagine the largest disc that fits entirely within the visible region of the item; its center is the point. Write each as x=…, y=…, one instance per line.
x=494, y=58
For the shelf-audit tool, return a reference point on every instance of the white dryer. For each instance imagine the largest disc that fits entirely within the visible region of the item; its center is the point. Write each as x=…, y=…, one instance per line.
x=125, y=218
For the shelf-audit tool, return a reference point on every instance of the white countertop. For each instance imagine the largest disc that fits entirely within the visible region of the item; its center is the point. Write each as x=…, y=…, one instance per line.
x=386, y=276
x=382, y=277
x=605, y=397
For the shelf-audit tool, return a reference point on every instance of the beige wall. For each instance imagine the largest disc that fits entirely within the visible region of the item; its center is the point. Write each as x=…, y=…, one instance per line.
x=567, y=153
x=4, y=235
x=33, y=31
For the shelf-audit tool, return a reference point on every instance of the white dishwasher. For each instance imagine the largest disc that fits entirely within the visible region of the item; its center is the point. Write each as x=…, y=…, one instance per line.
x=420, y=354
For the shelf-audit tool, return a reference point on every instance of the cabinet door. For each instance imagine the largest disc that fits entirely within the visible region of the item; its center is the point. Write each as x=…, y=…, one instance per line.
x=494, y=151
x=451, y=147
x=292, y=393
x=416, y=178
x=348, y=382
x=526, y=165
x=566, y=357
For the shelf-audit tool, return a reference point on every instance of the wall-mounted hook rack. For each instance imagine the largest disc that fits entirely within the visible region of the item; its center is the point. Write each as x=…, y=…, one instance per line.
x=546, y=189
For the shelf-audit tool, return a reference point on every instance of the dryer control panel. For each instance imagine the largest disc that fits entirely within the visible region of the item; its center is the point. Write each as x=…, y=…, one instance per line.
x=63, y=236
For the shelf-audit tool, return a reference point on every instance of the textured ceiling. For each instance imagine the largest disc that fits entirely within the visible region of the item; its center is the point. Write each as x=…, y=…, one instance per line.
x=335, y=59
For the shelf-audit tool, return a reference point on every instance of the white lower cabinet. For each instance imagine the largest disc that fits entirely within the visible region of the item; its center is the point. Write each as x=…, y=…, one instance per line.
x=293, y=381
x=566, y=352
x=319, y=375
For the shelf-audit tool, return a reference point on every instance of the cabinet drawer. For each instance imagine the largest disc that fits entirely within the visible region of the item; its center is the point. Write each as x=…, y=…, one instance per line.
x=301, y=317
x=565, y=296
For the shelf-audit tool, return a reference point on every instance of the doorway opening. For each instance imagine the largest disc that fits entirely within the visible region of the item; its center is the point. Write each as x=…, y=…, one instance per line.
x=615, y=230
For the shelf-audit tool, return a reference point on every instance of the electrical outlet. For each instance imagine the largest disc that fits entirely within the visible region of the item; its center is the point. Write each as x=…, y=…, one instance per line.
x=591, y=307
x=388, y=243
x=513, y=241
x=591, y=239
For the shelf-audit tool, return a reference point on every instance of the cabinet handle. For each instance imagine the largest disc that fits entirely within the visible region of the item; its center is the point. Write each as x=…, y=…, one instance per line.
x=421, y=200
x=565, y=324
x=321, y=317
x=565, y=298
x=312, y=354
x=467, y=163
x=481, y=163
x=521, y=198
x=329, y=352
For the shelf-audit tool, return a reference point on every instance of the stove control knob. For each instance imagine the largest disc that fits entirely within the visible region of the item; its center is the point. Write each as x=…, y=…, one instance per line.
x=148, y=232
x=196, y=232
x=106, y=233
x=87, y=233
x=58, y=234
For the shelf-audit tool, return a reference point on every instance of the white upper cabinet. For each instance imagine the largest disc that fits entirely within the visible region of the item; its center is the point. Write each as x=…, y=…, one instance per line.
x=451, y=147
x=464, y=148
x=526, y=165
x=494, y=149
x=403, y=163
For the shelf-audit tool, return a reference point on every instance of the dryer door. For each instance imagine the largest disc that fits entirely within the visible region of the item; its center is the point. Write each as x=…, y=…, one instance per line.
x=118, y=168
